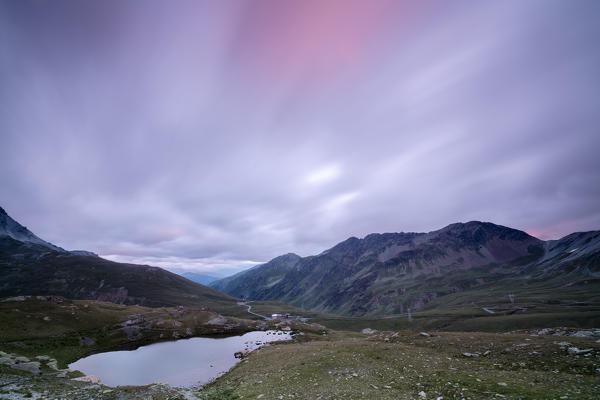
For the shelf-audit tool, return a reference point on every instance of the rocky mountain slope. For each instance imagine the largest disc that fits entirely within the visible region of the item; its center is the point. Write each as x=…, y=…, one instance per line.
x=257, y=281
x=14, y=234
x=391, y=273
x=32, y=266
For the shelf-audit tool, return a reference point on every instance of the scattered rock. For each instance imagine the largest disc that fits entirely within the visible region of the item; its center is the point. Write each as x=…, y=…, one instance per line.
x=134, y=319
x=373, y=386
x=368, y=331
x=52, y=364
x=474, y=355
x=47, y=318
x=487, y=353
x=33, y=367
x=575, y=351
x=22, y=359
x=16, y=298
x=587, y=333
x=87, y=378
x=422, y=394
x=43, y=358
x=424, y=334
x=502, y=384
x=6, y=361
x=217, y=321
x=63, y=374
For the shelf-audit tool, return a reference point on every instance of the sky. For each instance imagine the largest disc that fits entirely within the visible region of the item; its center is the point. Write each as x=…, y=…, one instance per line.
x=215, y=135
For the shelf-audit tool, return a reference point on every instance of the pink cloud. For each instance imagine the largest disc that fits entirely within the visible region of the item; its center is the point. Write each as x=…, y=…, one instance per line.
x=286, y=40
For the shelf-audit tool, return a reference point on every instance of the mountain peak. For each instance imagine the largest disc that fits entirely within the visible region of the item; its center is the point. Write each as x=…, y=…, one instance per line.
x=14, y=230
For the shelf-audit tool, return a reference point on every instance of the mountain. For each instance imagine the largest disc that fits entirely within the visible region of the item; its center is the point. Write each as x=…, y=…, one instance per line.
x=391, y=273
x=199, y=278
x=257, y=281
x=14, y=234
x=32, y=266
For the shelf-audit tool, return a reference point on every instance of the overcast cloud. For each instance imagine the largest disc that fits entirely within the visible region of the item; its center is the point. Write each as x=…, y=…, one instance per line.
x=215, y=135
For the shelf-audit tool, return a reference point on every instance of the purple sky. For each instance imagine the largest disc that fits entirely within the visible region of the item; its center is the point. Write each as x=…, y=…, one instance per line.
x=212, y=135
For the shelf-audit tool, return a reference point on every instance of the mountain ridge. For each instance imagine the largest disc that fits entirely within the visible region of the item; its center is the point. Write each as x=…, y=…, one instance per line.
x=32, y=266
x=12, y=229
x=390, y=273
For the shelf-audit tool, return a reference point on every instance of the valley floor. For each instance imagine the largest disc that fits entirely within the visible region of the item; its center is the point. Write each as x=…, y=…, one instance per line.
x=388, y=365
x=320, y=363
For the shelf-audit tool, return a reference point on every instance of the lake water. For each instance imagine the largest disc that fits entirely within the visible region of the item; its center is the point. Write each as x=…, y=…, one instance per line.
x=182, y=363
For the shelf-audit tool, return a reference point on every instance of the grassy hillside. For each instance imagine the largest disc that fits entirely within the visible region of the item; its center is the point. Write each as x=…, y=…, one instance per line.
x=93, y=278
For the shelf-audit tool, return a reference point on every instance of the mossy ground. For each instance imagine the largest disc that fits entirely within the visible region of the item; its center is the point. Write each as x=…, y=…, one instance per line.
x=401, y=365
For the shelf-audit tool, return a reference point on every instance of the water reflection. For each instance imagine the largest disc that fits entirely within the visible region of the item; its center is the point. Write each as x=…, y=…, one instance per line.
x=183, y=363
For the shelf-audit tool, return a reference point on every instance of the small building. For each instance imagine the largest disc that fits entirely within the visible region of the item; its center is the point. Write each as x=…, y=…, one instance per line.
x=288, y=316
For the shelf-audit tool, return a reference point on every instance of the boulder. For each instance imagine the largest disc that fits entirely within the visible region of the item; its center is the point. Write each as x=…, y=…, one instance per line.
x=241, y=354
x=576, y=351
x=217, y=321
x=33, y=367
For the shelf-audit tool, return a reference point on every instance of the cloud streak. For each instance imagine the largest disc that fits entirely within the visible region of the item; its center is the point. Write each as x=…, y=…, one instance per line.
x=213, y=135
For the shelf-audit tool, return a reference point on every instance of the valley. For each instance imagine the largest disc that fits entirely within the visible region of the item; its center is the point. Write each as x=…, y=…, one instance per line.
x=318, y=363
x=522, y=327
x=474, y=264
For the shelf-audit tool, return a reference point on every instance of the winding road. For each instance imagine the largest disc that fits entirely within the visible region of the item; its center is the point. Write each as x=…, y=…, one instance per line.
x=253, y=313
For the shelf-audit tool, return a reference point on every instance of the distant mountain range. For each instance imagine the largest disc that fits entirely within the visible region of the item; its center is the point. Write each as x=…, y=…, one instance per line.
x=393, y=273
x=199, y=278
x=32, y=266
